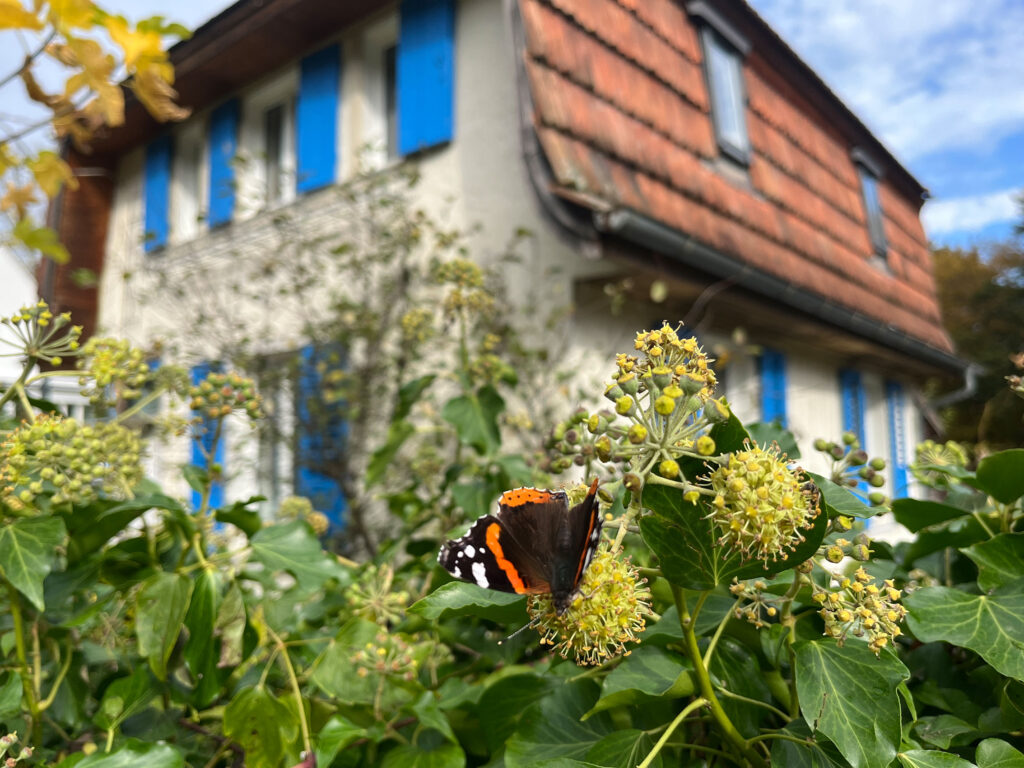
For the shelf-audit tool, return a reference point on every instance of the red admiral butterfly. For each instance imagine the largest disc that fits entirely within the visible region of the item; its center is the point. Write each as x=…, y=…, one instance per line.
x=534, y=545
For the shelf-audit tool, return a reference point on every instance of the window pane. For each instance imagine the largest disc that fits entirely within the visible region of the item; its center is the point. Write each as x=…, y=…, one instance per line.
x=390, y=101
x=874, y=210
x=273, y=143
x=725, y=77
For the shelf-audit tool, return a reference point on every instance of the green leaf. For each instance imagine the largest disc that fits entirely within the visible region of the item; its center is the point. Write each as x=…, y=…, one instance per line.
x=443, y=755
x=840, y=501
x=124, y=697
x=230, y=626
x=1000, y=560
x=253, y=720
x=503, y=704
x=409, y=393
x=337, y=733
x=196, y=477
x=475, y=418
x=850, y=696
x=10, y=695
x=159, y=615
x=28, y=548
x=740, y=673
x=457, y=598
x=929, y=758
x=990, y=625
x=915, y=514
x=996, y=753
x=790, y=754
x=430, y=715
x=1001, y=475
x=766, y=433
x=134, y=753
x=552, y=728
x=941, y=730
x=685, y=540
x=623, y=749
x=239, y=515
x=648, y=672
x=200, y=648
x=42, y=239
x=381, y=459
x=293, y=547
x=961, y=532
x=87, y=533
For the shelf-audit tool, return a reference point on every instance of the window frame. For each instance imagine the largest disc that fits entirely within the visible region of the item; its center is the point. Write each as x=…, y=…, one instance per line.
x=187, y=216
x=376, y=132
x=869, y=175
x=281, y=89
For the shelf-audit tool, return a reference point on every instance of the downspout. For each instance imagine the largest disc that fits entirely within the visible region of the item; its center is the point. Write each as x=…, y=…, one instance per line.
x=967, y=390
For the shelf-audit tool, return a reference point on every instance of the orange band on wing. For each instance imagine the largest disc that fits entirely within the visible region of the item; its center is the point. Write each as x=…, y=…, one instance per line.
x=493, y=531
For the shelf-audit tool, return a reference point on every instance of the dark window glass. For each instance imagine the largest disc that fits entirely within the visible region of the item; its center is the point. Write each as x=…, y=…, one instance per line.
x=728, y=108
x=391, y=101
x=873, y=207
x=273, y=142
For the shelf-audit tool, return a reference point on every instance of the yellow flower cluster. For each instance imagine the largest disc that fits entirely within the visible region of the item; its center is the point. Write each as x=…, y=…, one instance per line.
x=389, y=655
x=467, y=291
x=675, y=366
x=73, y=462
x=371, y=597
x=610, y=611
x=111, y=370
x=760, y=504
x=417, y=326
x=755, y=607
x=40, y=335
x=862, y=608
x=219, y=394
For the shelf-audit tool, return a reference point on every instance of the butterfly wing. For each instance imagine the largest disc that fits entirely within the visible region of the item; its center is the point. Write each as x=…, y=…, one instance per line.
x=491, y=557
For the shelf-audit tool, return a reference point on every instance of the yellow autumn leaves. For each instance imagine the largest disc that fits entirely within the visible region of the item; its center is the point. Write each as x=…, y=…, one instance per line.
x=96, y=51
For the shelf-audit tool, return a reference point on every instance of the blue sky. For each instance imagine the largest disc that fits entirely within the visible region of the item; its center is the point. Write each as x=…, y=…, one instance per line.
x=941, y=83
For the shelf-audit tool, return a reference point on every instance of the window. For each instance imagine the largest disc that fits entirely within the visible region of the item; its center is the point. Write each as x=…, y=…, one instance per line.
x=188, y=181
x=275, y=152
x=772, y=371
x=391, y=100
x=724, y=71
x=872, y=207
x=267, y=167
x=380, y=96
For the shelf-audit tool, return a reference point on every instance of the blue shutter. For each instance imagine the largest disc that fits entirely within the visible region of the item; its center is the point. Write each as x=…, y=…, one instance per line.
x=157, y=192
x=321, y=432
x=772, y=366
x=897, y=439
x=202, y=443
x=316, y=118
x=223, y=148
x=425, y=74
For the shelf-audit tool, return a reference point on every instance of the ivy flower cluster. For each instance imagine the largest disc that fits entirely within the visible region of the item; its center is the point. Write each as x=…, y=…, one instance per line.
x=217, y=395
x=389, y=656
x=610, y=611
x=754, y=607
x=859, y=606
x=851, y=465
x=76, y=462
x=930, y=453
x=41, y=336
x=466, y=290
x=663, y=402
x=761, y=506
x=11, y=758
x=112, y=370
x=372, y=598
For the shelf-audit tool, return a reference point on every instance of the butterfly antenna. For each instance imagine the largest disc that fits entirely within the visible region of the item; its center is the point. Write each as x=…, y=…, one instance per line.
x=532, y=623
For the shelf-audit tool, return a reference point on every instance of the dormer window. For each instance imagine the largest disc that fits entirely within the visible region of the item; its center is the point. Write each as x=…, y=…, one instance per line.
x=724, y=51
x=870, y=174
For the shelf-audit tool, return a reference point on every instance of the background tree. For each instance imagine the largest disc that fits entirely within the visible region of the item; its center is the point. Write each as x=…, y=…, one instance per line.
x=981, y=291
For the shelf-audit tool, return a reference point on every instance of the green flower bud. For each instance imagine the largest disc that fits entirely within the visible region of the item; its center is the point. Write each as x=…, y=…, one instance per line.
x=834, y=554
x=633, y=482
x=717, y=411
x=624, y=405
x=637, y=434
x=629, y=384
x=668, y=468
x=705, y=445
x=849, y=438
x=876, y=498
x=691, y=383
x=664, y=405
x=613, y=392
x=821, y=445
x=662, y=376
x=603, y=446
x=877, y=464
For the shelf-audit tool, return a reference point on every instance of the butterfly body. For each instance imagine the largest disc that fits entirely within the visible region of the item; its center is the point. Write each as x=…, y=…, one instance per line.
x=535, y=544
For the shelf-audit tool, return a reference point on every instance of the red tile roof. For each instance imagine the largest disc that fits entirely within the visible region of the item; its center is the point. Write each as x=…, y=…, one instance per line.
x=622, y=112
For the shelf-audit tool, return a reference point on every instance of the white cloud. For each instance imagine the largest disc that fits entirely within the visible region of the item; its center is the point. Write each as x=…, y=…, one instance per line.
x=926, y=76
x=964, y=214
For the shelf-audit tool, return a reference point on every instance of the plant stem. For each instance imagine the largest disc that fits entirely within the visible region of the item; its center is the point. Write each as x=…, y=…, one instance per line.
x=787, y=620
x=730, y=695
x=718, y=632
x=19, y=645
x=783, y=736
x=299, y=704
x=13, y=389
x=695, y=704
x=733, y=736
x=61, y=674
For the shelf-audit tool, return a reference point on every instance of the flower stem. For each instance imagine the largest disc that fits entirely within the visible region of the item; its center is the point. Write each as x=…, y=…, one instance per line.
x=18, y=620
x=299, y=705
x=16, y=386
x=718, y=632
x=732, y=735
x=695, y=704
x=787, y=620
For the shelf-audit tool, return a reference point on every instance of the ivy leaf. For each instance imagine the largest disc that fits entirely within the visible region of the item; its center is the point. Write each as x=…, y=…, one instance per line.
x=92, y=527
x=850, y=696
x=930, y=758
x=42, y=239
x=738, y=670
x=808, y=754
x=124, y=697
x=552, y=728
x=766, y=433
x=253, y=719
x=430, y=715
x=648, y=672
x=996, y=753
x=990, y=625
x=475, y=418
x=380, y=461
x=503, y=703
x=623, y=749
x=942, y=730
x=685, y=540
x=10, y=695
x=293, y=547
x=159, y=615
x=1000, y=560
x=134, y=753
x=458, y=598
x=200, y=649
x=915, y=514
x=840, y=501
x=1001, y=475
x=337, y=733
x=230, y=626
x=425, y=755
x=239, y=515
x=28, y=547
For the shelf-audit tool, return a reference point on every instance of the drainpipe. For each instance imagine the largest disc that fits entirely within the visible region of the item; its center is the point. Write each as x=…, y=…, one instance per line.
x=967, y=390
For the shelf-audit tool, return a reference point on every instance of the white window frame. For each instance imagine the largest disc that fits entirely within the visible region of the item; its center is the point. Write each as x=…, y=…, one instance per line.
x=377, y=38
x=282, y=89
x=187, y=215
x=723, y=67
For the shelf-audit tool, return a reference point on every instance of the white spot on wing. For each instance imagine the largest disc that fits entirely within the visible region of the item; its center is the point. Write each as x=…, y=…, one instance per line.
x=470, y=550
x=457, y=573
x=480, y=574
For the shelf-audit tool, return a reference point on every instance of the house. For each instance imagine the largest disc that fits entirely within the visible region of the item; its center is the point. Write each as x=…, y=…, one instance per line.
x=677, y=144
